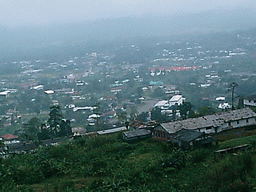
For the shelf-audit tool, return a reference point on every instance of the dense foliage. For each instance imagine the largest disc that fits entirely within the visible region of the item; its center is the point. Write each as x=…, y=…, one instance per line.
x=106, y=163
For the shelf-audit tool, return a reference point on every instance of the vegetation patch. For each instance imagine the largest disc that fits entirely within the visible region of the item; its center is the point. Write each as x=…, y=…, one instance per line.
x=106, y=163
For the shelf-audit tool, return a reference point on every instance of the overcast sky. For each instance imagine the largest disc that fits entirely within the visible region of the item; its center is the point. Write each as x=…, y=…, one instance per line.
x=26, y=12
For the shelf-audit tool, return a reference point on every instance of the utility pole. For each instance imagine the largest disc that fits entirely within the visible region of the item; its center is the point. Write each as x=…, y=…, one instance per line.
x=233, y=86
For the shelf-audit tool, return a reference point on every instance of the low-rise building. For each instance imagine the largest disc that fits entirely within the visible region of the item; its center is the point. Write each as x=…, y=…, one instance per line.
x=187, y=138
x=136, y=135
x=208, y=124
x=250, y=101
x=177, y=100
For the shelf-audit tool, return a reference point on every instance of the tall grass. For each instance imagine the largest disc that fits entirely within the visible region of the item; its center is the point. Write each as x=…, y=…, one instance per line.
x=231, y=173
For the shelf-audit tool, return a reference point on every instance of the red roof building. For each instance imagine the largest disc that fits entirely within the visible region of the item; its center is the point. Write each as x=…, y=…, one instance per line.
x=9, y=136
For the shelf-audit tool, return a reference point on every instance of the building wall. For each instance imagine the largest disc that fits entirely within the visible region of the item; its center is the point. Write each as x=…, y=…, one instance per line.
x=208, y=130
x=179, y=101
x=251, y=121
x=224, y=127
x=249, y=103
x=237, y=124
x=160, y=133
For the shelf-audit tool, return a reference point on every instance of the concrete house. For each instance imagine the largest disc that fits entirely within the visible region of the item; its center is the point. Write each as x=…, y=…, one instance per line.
x=177, y=100
x=208, y=124
x=250, y=101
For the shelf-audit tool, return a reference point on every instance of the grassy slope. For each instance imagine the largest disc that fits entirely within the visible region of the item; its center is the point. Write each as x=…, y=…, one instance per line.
x=106, y=163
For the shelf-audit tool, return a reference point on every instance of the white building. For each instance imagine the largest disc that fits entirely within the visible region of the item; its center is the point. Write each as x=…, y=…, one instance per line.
x=224, y=106
x=38, y=87
x=48, y=92
x=176, y=100
x=250, y=101
x=162, y=104
x=220, y=98
x=5, y=93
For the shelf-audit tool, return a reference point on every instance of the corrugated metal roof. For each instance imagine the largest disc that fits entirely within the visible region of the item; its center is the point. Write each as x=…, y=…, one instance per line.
x=187, y=135
x=108, y=131
x=215, y=120
x=136, y=133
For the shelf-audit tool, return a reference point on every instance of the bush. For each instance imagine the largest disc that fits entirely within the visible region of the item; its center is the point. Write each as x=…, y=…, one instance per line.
x=199, y=155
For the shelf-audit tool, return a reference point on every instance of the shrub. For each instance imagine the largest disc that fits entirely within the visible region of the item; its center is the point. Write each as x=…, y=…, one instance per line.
x=199, y=155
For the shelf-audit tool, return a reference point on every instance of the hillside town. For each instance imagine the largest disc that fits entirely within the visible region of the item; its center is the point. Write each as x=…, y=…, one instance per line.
x=102, y=91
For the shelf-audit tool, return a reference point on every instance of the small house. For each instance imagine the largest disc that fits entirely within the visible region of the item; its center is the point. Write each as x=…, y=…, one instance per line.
x=10, y=138
x=188, y=138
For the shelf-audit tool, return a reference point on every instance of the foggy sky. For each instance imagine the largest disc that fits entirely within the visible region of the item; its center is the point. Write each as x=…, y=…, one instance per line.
x=40, y=12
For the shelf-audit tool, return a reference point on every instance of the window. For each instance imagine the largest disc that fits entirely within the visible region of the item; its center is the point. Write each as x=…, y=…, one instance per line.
x=229, y=123
x=237, y=122
x=247, y=120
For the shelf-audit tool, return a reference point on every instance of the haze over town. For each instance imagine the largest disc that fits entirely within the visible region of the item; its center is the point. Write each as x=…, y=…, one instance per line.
x=179, y=73
x=26, y=23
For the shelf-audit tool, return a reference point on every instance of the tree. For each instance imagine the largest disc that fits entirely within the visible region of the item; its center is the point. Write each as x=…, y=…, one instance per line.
x=55, y=117
x=185, y=109
x=1, y=143
x=206, y=110
x=157, y=115
x=122, y=116
x=241, y=103
x=58, y=126
x=142, y=117
x=133, y=114
x=44, y=134
x=97, y=111
x=233, y=86
x=31, y=129
x=65, y=128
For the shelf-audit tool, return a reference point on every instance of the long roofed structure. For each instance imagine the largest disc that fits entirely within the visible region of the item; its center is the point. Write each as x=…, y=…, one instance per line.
x=211, y=123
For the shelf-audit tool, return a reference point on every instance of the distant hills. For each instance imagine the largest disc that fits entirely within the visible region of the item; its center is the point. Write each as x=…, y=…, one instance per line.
x=60, y=34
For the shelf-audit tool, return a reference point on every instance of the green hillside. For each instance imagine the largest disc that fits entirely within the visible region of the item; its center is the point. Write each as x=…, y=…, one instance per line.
x=106, y=163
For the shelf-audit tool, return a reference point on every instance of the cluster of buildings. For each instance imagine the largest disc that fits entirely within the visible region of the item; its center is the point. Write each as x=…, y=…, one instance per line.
x=199, y=130
x=189, y=131
x=184, y=133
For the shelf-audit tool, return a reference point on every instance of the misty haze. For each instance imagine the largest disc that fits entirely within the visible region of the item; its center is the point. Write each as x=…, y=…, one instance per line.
x=127, y=95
